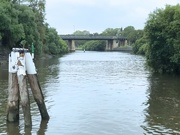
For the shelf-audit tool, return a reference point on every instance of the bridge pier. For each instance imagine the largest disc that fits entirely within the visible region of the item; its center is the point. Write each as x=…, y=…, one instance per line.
x=71, y=45
x=114, y=45
x=122, y=42
x=110, y=45
x=125, y=42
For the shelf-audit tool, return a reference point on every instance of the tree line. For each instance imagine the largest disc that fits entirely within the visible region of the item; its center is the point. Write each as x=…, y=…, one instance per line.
x=22, y=22
x=159, y=41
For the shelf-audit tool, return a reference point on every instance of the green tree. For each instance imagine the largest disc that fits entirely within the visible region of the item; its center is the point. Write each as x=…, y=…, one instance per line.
x=54, y=45
x=80, y=43
x=111, y=32
x=163, y=34
x=11, y=30
x=140, y=46
x=130, y=33
x=63, y=46
x=27, y=19
x=95, y=45
x=22, y=23
x=84, y=32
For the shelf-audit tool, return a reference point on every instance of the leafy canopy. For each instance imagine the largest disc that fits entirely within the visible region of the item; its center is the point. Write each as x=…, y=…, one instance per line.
x=163, y=35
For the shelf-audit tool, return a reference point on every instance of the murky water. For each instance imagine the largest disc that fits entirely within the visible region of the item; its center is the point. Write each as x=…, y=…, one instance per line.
x=99, y=93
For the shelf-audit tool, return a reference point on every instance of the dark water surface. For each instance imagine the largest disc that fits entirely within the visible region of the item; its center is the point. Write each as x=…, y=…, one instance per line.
x=99, y=93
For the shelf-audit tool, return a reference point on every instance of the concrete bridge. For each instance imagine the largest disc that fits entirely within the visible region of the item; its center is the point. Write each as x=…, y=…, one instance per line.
x=111, y=41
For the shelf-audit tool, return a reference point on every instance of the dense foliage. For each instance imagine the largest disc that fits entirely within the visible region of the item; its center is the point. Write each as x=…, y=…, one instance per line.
x=140, y=46
x=95, y=45
x=132, y=34
x=22, y=23
x=163, y=36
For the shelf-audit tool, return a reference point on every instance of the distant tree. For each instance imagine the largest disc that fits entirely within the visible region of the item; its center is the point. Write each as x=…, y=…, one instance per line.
x=94, y=45
x=82, y=33
x=95, y=34
x=78, y=32
x=128, y=30
x=130, y=33
x=110, y=32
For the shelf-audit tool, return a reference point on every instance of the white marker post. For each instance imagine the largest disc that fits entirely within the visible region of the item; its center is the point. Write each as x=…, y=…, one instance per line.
x=16, y=89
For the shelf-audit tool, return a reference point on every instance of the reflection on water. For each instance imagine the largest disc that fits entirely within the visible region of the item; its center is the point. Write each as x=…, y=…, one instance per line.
x=99, y=93
x=163, y=105
x=13, y=129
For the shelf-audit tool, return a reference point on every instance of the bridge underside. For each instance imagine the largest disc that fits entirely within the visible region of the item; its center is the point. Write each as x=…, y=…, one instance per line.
x=110, y=44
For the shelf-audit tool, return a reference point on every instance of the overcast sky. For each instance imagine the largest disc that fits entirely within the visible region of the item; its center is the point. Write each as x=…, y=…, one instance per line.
x=68, y=16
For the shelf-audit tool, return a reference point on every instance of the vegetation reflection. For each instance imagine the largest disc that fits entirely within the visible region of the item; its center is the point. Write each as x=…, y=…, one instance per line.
x=164, y=102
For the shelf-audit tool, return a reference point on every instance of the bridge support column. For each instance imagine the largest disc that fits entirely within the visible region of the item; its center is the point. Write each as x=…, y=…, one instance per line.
x=71, y=45
x=125, y=42
x=108, y=45
x=122, y=43
x=114, y=45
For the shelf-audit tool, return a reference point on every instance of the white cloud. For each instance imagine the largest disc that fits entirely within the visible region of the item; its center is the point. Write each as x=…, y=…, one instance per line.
x=97, y=15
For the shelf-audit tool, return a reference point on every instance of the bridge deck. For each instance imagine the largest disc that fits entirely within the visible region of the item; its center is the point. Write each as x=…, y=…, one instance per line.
x=91, y=37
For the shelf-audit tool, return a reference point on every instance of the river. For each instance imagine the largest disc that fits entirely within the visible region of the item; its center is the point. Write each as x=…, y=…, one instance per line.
x=99, y=93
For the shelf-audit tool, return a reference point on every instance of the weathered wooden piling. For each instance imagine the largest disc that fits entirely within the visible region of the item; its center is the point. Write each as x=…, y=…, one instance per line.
x=13, y=99
x=38, y=96
x=24, y=94
x=35, y=87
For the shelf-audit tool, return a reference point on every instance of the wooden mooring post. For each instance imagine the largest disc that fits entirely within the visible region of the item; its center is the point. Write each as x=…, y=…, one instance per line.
x=25, y=103
x=13, y=99
x=35, y=87
x=17, y=89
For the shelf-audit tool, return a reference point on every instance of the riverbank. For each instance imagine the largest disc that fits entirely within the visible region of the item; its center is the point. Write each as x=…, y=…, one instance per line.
x=129, y=49
x=119, y=49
